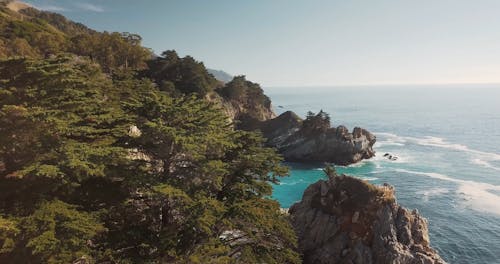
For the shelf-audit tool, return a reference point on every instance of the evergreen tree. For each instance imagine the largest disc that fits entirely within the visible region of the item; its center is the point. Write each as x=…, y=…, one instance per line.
x=117, y=170
x=186, y=74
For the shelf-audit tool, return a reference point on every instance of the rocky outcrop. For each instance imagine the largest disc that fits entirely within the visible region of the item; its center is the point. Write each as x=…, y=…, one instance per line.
x=348, y=220
x=242, y=113
x=288, y=134
x=247, y=113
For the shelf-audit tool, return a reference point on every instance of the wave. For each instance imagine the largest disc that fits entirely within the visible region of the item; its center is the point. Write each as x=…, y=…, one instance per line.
x=477, y=194
x=358, y=164
x=432, y=192
x=485, y=164
x=379, y=159
x=291, y=182
x=384, y=143
x=480, y=158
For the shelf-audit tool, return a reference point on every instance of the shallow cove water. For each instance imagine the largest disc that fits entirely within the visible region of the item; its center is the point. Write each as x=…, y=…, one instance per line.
x=447, y=140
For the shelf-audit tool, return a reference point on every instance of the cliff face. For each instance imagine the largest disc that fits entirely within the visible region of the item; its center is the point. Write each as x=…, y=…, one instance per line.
x=347, y=220
x=247, y=113
x=289, y=134
x=242, y=113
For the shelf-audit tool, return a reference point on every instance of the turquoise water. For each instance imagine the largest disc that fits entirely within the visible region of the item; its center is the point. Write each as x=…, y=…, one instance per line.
x=447, y=139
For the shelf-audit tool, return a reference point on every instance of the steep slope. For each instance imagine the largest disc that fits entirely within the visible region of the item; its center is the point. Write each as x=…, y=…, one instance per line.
x=115, y=170
x=348, y=220
x=99, y=164
x=16, y=6
x=32, y=33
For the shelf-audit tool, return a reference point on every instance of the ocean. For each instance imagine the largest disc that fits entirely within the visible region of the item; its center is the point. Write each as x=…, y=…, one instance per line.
x=447, y=140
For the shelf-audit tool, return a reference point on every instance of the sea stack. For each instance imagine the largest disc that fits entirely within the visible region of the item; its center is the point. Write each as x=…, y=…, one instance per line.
x=314, y=140
x=348, y=220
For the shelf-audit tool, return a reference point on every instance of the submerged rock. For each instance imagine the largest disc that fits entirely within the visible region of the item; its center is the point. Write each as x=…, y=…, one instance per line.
x=390, y=157
x=348, y=220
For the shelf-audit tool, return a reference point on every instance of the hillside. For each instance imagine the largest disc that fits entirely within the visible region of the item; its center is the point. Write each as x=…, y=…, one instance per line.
x=16, y=6
x=38, y=34
x=108, y=155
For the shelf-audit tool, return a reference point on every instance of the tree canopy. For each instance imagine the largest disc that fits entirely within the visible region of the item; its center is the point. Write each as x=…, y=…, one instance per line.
x=37, y=34
x=186, y=74
x=117, y=170
x=316, y=123
x=241, y=90
x=108, y=155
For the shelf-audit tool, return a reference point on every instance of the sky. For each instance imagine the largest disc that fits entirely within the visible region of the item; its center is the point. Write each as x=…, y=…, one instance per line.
x=313, y=42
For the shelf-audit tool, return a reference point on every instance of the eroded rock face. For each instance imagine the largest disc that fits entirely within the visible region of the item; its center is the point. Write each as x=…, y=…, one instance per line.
x=347, y=220
x=335, y=145
x=242, y=113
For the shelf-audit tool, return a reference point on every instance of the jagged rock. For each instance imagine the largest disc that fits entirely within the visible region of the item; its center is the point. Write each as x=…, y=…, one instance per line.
x=353, y=221
x=334, y=145
x=240, y=113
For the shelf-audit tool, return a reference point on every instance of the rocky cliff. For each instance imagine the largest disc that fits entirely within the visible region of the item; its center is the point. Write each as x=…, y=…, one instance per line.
x=348, y=220
x=242, y=113
x=243, y=101
x=311, y=140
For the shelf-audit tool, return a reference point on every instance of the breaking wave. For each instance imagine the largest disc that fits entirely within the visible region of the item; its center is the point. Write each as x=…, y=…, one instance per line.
x=477, y=195
x=480, y=158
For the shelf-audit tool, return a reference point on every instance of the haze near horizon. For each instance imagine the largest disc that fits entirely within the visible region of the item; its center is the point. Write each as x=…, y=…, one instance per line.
x=314, y=43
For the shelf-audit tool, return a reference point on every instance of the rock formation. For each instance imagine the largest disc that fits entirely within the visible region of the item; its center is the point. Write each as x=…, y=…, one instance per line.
x=348, y=220
x=242, y=113
x=298, y=140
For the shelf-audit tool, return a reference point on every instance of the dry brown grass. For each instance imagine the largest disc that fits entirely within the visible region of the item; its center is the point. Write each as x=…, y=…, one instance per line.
x=17, y=5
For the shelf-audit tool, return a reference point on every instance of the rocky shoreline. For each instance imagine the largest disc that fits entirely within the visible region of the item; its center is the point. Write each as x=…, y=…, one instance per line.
x=313, y=140
x=348, y=220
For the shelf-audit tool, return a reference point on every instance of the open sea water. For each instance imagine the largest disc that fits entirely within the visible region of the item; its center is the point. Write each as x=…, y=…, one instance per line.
x=447, y=140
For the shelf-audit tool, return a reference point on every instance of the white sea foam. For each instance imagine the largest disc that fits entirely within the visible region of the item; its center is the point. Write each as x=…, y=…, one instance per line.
x=426, y=194
x=384, y=143
x=480, y=158
x=370, y=178
x=291, y=182
x=476, y=194
x=380, y=159
x=357, y=164
x=484, y=163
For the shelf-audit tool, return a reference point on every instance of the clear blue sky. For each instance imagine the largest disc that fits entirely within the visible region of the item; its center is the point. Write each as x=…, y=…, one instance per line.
x=313, y=42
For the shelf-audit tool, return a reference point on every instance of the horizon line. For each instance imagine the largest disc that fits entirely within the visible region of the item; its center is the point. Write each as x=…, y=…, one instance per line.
x=380, y=84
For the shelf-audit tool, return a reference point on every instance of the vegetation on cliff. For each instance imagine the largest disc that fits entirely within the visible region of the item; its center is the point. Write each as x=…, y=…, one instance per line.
x=108, y=155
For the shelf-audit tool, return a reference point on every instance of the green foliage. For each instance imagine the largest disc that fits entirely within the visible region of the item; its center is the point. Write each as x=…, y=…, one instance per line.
x=111, y=50
x=39, y=34
x=330, y=172
x=58, y=21
x=8, y=232
x=246, y=92
x=75, y=182
x=59, y=233
x=186, y=74
x=105, y=159
x=316, y=123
